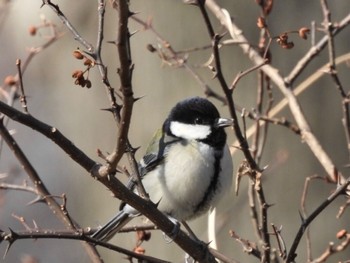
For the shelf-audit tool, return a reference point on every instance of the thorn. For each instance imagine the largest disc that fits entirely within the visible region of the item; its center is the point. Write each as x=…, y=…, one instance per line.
x=156, y=204
x=132, y=13
x=133, y=150
x=208, y=244
x=133, y=33
x=108, y=109
x=114, y=42
x=117, y=108
x=12, y=236
x=269, y=205
x=265, y=167
x=11, y=239
x=39, y=199
x=138, y=98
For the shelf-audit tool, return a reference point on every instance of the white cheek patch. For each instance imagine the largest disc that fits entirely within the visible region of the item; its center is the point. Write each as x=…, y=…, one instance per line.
x=189, y=131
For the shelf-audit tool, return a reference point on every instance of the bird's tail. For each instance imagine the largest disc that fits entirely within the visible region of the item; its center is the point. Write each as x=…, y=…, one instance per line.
x=112, y=227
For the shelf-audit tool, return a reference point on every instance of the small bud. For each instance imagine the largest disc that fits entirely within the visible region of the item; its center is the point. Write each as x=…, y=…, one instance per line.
x=77, y=54
x=10, y=80
x=303, y=32
x=88, y=62
x=32, y=30
x=261, y=22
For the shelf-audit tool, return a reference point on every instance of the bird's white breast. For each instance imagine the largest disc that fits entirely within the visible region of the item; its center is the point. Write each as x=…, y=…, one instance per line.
x=180, y=184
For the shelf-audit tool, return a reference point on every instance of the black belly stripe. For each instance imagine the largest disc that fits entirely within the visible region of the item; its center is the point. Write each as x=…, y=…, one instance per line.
x=203, y=205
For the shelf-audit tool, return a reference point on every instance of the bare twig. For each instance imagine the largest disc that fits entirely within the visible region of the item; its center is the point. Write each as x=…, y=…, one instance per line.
x=329, y=26
x=179, y=60
x=306, y=221
x=69, y=25
x=246, y=72
x=333, y=249
x=23, y=98
x=303, y=210
x=248, y=246
x=24, y=187
x=285, y=84
x=280, y=242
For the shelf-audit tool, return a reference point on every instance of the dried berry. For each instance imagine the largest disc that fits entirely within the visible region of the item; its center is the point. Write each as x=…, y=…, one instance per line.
x=88, y=62
x=261, y=22
x=77, y=74
x=77, y=54
x=139, y=250
x=32, y=30
x=341, y=234
x=303, y=32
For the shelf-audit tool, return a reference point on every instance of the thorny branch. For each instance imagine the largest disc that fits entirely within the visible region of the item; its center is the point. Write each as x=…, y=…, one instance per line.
x=196, y=249
x=307, y=221
x=41, y=188
x=285, y=84
x=123, y=113
x=78, y=234
x=255, y=171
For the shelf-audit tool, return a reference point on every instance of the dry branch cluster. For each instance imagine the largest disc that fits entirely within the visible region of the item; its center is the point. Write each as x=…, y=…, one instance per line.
x=251, y=128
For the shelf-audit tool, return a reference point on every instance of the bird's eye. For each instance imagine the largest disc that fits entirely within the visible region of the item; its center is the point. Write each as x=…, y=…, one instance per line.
x=198, y=121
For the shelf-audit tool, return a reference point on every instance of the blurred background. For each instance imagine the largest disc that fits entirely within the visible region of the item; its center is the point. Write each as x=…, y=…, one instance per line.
x=76, y=112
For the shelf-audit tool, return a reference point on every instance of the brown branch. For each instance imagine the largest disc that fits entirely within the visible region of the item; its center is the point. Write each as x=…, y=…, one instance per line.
x=41, y=188
x=228, y=93
x=23, y=98
x=284, y=84
x=255, y=170
x=78, y=234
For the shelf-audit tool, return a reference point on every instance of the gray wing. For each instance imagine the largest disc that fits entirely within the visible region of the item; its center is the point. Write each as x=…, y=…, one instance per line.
x=154, y=156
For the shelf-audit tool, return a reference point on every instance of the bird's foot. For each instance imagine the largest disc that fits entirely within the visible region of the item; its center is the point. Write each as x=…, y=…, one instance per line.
x=170, y=238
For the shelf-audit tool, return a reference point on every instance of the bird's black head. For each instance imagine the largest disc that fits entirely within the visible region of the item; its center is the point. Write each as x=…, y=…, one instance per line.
x=197, y=119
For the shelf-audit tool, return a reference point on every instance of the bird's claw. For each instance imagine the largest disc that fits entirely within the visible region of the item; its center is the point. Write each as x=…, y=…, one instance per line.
x=170, y=238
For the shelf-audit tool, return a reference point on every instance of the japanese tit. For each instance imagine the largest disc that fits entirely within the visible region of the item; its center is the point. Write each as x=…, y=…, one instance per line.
x=187, y=167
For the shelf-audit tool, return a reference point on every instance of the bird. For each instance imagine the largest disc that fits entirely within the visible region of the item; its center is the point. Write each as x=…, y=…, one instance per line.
x=187, y=166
